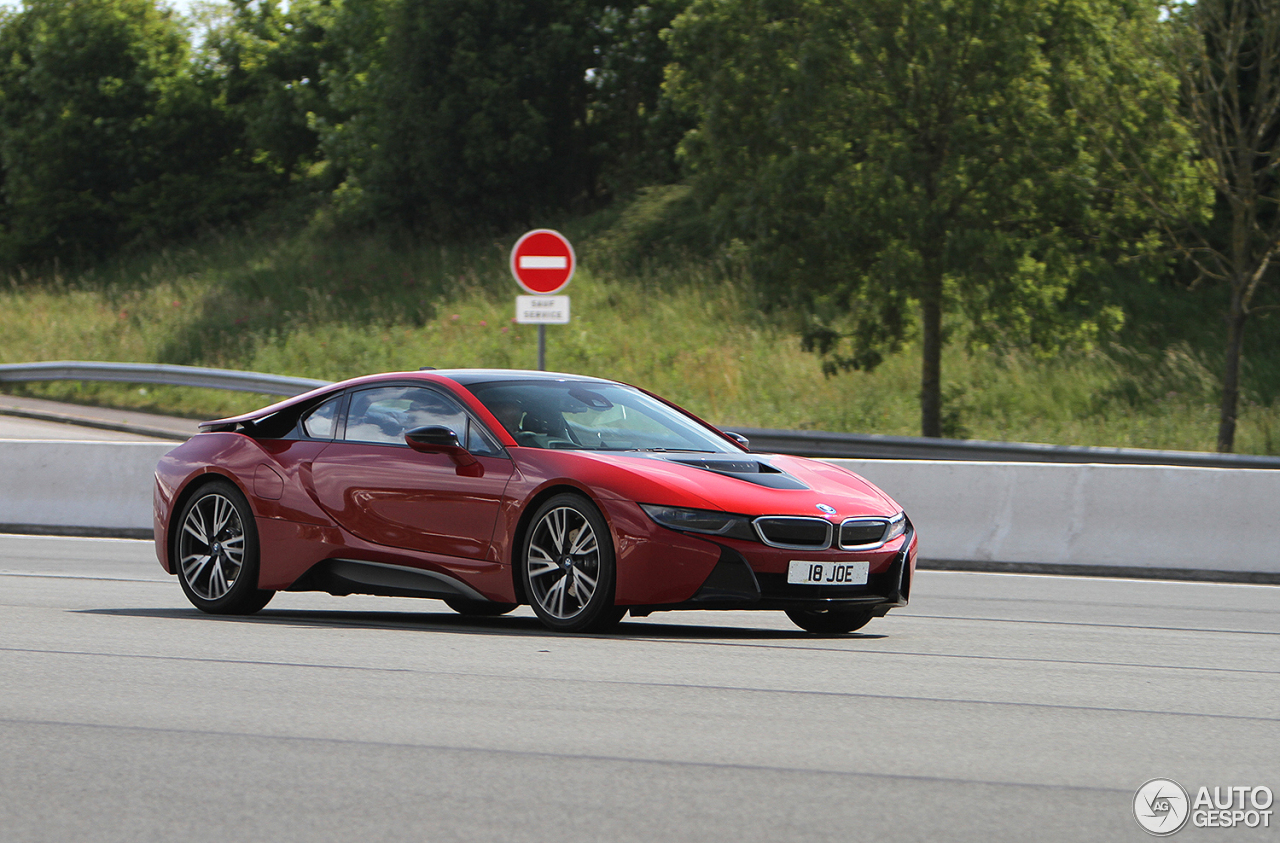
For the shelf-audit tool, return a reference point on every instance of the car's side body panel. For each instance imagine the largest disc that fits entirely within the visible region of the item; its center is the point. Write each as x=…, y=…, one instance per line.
x=295, y=531
x=400, y=498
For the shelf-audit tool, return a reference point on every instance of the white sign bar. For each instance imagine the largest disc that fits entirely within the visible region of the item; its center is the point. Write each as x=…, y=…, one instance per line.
x=543, y=262
x=542, y=310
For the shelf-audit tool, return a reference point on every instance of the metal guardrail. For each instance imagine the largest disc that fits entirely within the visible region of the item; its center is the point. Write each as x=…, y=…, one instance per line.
x=159, y=373
x=875, y=447
x=800, y=443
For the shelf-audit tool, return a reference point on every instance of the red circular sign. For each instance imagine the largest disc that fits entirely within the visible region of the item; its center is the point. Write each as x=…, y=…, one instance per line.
x=543, y=261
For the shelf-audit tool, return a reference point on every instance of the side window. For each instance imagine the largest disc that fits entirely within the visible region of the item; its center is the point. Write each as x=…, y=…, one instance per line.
x=385, y=414
x=319, y=423
x=479, y=442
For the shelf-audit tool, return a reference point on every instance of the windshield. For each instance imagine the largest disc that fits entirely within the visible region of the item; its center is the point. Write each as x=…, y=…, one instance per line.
x=590, y=416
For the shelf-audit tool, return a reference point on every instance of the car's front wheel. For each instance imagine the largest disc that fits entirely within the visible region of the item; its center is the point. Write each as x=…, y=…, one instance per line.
x=217, y=552
x=830, y=621
x=567, y=566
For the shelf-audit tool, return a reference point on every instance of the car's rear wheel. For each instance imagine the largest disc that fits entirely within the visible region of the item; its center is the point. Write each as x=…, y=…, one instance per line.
x=478, y=608
x=217, y=552
x=830, y=621
x=567, y=566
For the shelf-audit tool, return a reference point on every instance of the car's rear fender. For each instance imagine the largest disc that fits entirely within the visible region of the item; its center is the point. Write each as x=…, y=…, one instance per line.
x=237, y=459
x=167, y=533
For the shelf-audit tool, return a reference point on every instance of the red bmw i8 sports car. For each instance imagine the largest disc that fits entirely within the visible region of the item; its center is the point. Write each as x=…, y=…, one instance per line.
x=584, y=498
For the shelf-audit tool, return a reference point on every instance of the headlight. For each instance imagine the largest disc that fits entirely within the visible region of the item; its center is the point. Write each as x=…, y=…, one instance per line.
x=701, y=521
x=897, y=526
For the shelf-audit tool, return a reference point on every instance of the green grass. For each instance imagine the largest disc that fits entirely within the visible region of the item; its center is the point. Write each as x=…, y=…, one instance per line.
x=314, y=304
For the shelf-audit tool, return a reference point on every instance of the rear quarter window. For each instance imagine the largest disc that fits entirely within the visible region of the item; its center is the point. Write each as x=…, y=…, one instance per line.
x=320, y=422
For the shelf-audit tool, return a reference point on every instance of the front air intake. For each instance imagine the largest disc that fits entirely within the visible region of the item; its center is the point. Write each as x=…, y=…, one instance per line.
x=794, y=533
x=863, y=533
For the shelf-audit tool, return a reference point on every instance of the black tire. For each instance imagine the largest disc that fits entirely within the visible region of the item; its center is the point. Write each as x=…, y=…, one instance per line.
x=216, y=552
x=567, y=566
x=479, y=608
x=830, y=621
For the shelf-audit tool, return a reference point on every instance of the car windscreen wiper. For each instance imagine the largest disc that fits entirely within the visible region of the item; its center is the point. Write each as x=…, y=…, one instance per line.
x=672, y=450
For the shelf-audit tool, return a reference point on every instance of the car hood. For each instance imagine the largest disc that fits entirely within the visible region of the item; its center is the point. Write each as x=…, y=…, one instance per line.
x=746, y=484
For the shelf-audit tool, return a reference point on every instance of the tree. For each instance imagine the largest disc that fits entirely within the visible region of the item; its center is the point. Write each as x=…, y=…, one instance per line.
x=880, y=156
x=1226, y=56
x=634, y=129
x=106, y=137
x=270, y=65
x=462, y=115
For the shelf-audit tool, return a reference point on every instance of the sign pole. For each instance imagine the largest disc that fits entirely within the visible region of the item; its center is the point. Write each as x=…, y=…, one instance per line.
x=542, y=262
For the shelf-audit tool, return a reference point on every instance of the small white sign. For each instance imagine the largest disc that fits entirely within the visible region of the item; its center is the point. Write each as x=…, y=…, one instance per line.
x=542, y=310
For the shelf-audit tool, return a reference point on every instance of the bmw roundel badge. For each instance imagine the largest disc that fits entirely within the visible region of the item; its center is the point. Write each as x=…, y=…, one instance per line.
x=829, y=510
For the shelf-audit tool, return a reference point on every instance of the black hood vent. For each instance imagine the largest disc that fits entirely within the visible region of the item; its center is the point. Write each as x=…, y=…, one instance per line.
x=754, y=471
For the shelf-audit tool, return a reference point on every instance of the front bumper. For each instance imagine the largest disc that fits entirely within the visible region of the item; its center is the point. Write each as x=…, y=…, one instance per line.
x=734, y=584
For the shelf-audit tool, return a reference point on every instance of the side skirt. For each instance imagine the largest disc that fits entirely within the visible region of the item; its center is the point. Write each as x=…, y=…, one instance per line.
x=341, y=577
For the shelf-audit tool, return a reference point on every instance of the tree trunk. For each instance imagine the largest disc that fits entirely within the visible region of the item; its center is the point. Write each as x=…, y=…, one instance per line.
x=1242, y=222
x=931, y=365
x=1231, y=372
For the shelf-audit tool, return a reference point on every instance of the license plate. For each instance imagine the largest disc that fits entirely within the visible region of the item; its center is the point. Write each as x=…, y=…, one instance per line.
x=801, y=572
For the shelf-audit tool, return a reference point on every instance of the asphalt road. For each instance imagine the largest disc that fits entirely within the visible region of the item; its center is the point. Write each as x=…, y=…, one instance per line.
x=998, y=707
x=21, y=428
x=36, y=418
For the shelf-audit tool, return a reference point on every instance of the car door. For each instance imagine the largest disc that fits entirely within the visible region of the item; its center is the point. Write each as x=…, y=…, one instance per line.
x=379, y=489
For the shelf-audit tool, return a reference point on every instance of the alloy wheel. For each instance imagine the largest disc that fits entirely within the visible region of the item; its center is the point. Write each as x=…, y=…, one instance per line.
x=211, y=547
x=563, y=563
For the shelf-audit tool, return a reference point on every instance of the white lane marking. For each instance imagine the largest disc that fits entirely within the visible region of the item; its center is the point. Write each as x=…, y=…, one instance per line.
x=1083, y=578
x=42, y=576
x=47, y=537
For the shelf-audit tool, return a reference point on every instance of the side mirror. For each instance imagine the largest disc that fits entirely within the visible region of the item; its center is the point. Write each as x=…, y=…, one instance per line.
x=440, y=440
x=739, y=438
x=432, y=440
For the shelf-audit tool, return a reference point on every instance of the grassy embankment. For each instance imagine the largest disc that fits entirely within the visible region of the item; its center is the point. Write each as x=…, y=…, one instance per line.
x=317, y=305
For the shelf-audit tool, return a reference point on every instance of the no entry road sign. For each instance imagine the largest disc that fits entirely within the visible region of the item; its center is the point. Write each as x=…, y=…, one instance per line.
x=543, y=261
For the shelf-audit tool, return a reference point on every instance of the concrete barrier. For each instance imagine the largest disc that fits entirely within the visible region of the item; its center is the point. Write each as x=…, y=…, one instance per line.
x=1197, y=523
x=1201, y=523
x=78, y=488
